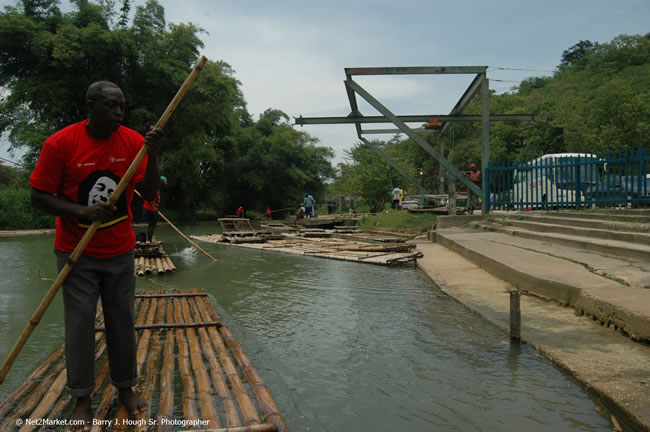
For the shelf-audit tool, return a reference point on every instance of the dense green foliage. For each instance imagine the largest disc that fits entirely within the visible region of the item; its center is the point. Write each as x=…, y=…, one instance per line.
x=598, y=100
x=216, y=156
x=15, y=206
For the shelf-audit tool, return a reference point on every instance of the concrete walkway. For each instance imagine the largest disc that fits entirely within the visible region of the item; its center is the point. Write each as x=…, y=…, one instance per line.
x=611, y=366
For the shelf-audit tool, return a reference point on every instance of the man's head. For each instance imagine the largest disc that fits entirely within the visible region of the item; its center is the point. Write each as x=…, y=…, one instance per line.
x=163, y=179
x=106, y=103
x=472, y=167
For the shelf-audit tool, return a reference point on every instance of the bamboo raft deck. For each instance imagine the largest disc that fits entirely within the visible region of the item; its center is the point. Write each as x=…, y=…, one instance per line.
x=151, y=258
x=333, y=248
x=180, y=338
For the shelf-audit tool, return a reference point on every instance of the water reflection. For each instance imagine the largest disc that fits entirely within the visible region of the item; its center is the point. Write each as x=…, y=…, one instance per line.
x=342, y=346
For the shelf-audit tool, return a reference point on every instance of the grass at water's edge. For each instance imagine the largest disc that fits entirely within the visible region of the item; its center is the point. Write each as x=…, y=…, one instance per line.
x=400, y=221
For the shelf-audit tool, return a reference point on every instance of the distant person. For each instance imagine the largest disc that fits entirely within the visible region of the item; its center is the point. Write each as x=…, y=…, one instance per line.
x=300, y=214
x=373, y=208
x=150, y=212
x=308, y=202
x=396, y=194
x=268, y=212
x=240, y=212
x=401, y=196
x=474, y=175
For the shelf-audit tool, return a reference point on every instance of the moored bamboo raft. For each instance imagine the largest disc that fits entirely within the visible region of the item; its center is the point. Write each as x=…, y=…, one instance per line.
x=151, y=258
x=180, y=337
x=333, y=248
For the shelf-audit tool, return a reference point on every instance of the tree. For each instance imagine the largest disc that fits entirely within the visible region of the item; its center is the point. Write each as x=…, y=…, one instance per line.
x=574, y=55
x=211, y=156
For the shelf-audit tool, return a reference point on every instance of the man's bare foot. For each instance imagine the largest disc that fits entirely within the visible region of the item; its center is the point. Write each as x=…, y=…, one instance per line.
x=132, y=401
x=83, y=412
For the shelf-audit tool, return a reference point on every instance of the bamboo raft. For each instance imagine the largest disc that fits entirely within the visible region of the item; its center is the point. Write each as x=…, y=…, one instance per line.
x=333, y=248
x=151, y=258
x=180, y=338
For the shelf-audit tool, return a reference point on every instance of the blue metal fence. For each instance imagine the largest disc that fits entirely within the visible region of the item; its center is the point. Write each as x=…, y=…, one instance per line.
x=570, y=180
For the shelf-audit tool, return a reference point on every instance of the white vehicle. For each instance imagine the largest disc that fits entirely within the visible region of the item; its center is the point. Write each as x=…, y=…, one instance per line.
x=556, y=180
x=410, y=203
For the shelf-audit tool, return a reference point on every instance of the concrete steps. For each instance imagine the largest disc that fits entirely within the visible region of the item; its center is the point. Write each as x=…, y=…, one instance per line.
x=607, y=236
x=600, y=267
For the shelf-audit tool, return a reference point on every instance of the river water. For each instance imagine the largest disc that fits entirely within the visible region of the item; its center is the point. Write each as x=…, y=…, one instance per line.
x=342, y=346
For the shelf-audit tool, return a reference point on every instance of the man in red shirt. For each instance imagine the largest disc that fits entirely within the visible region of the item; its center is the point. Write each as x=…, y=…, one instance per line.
x=474, y=175
x=78, y=169
x=150, y=212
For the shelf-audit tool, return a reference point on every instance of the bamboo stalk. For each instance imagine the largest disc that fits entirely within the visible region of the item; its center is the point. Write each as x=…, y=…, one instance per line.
x=57, y=355
x=261, y=391
x=111, y=393
x=165, y=266
x=264, y=427
x=32, y=380
x=246, y=405
x=48, y=400
x=187, y=294
x=74, y=257
x=99, y=381
x=143, y=343
x=167, y=373
x=171, y=264
x=171, y=326
x=218, y=380
x=206, y=403
x=149, y=380
x=28, y=404
x=158, y=265
x=105, y=405
x=189, y=392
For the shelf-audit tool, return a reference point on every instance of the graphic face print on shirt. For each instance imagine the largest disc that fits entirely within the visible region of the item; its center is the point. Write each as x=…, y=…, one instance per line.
x=97, y=188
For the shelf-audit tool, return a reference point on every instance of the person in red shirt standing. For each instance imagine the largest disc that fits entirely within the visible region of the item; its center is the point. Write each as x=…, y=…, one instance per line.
x=268, y=213
x=240, y=212
x=150, y=212
x=474, y=175
x=78, y=169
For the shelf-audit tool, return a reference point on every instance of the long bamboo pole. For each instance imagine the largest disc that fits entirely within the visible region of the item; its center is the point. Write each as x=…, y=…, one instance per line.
x=190, y=241
x=72, y=260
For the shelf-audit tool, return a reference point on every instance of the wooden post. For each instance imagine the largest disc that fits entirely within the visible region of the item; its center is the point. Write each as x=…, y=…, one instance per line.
x=515, y=316
x=451, y=201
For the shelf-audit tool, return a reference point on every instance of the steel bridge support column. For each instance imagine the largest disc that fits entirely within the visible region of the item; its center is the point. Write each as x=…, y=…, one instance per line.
x=485, y=135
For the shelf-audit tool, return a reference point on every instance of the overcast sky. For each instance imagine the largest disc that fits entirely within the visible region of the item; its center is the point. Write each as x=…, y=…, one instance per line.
x=291, y=55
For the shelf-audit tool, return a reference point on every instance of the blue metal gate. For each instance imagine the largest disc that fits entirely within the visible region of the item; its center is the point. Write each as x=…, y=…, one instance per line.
x=570, y=180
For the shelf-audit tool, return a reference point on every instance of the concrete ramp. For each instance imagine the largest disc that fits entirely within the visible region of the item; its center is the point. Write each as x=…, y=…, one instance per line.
x=602, y=273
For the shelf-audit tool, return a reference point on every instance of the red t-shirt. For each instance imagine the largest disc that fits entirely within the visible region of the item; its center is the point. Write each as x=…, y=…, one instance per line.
x=153, y=205
x=85, y=170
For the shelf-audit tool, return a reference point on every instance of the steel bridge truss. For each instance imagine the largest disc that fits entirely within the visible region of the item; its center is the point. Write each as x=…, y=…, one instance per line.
x=480, y=84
